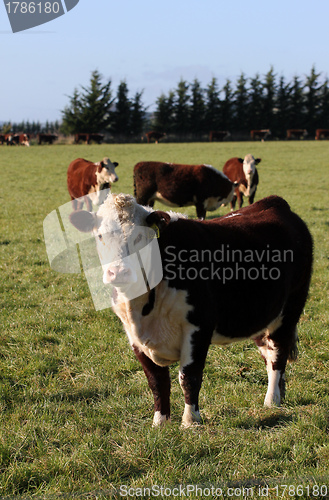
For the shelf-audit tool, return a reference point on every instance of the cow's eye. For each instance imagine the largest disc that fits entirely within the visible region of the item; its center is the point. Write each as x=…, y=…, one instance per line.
x=100, y=237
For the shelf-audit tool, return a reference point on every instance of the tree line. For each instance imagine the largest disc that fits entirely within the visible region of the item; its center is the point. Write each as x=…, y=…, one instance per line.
x=190, y=111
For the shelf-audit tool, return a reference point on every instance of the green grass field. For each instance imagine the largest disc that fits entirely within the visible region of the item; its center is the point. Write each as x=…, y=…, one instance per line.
x=76, y=411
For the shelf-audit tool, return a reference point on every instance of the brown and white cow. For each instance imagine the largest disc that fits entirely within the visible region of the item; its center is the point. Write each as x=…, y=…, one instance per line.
x=321, y=133
x=296, y=133
x=241, y=276
x=21, y=139
x=243, y=172
x=260, y=134
x=178, y=185
x=155, y=136
x=87, y=179
x=218, y=135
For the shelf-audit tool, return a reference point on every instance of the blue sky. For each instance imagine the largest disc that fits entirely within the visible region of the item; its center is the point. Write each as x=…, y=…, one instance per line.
x=152, y=45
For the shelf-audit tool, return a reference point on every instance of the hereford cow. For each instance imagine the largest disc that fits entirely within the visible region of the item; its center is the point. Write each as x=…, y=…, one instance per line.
x=218, y=135
x=86, y=180
x=244, y=275
x=155, y=136
x=21, y=139
x=47, y=138
x=243, y=172
x=179, y=185
x=321, y=133
x=259, y=134
x=296, y=133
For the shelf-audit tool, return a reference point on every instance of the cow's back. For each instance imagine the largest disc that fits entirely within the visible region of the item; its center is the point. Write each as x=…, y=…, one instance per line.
x=233, y=169
x=79, y=174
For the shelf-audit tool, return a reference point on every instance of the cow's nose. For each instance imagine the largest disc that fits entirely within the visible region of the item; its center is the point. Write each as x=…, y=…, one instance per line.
x=118, y=275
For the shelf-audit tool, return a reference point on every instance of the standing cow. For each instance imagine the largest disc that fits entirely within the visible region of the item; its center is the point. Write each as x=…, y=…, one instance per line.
x=263, y=252
x=87, y=179
x=180, y=185
x=243, y=172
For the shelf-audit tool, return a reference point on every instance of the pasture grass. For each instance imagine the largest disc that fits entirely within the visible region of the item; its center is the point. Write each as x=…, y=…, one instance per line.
x=75, y=408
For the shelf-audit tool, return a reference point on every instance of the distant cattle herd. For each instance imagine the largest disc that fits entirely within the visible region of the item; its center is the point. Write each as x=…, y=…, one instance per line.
x=12, y=139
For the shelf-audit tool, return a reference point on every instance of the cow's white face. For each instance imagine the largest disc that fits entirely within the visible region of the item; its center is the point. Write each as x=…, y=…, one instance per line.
x=249, y=167
x=107, y=174
x=120, y=232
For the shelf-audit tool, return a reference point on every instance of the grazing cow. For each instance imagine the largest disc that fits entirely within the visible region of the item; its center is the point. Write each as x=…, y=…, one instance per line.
x=87, y=179
x=22, y=139
x=244, y=275
x=259, y=134
x=322, y=133
x=296, y=133
x=87, y=138
x=8, y=139
x=2, y=138
x=218, y=135
x=182, y=186
x=156, y=136
x=47, y=138
x=243, y=172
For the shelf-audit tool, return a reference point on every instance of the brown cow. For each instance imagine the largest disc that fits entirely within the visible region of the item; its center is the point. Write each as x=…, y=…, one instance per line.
x=322, y=133
x=180, y=185
x=88, y=137
x=218, y=135
x=259, y=134
x=243, y=172
x=153, y=135
x=242, y=276
x=87, y=179
x=296, y=133
x=47, y=138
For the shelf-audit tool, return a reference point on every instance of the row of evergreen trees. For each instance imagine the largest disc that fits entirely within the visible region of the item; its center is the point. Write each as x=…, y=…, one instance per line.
x=192, y=111
x=252, y=103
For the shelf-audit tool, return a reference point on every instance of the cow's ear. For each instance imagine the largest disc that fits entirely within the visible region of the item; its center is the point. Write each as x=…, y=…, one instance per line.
x=158, y=218
x=84, y=221
x=240, y=160
x=115, y=163
x=257, y=160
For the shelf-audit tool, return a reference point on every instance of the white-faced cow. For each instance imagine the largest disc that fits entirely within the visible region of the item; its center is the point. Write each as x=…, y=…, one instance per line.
x=87, y=179
x=178, y=185
x=243, y=275
x=245, y=174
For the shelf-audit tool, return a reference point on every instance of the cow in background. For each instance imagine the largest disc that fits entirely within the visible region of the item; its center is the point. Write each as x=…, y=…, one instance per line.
x=218, y=135
x=88, y=137
x=153, y=135
x=321, y=133
x=296, y=133
x=260, y=134
x=47, y=138
x=86, y=180
x=193, y=307
x=179, y=185
x=245, y=174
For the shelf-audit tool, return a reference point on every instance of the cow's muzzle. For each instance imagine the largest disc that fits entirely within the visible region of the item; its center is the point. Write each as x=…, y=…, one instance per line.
x=119, y=274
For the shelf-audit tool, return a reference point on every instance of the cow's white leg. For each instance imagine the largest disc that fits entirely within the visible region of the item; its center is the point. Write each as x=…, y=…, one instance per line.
x=275, y=372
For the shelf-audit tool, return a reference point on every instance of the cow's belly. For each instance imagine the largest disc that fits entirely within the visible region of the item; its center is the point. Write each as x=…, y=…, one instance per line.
x=163, y=334
x=170, y=203
x=221, y=339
